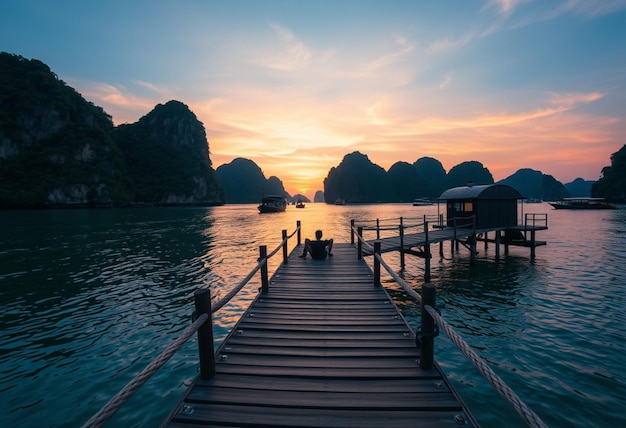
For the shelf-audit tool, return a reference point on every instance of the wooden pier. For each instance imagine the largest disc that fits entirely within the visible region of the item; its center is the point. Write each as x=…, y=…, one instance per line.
x=419, y=243
x=323, y=347
x=440, y=235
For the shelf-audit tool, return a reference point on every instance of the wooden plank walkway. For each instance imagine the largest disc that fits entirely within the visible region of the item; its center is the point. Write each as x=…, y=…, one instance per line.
x=436, y=236
x=417, y=239
x=324, y=348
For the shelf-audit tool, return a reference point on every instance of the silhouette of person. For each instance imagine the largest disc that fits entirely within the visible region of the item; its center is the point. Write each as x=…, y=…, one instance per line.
x=318, y=248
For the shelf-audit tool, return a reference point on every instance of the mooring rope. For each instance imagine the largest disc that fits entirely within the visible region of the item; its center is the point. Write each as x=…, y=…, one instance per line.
x=109, y=409
x=121, y=397
x=224, y=300
x=407, y=289
x=380, y=228
x=525, y=412
x=503, y=389
x=294, y=232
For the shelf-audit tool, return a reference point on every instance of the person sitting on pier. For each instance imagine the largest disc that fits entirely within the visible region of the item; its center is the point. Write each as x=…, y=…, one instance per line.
x=317, y=248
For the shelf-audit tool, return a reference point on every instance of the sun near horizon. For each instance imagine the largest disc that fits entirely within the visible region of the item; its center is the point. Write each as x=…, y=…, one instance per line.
x=295, y=86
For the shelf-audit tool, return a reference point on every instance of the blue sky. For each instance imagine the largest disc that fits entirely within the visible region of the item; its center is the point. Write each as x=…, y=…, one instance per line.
x=296, y=85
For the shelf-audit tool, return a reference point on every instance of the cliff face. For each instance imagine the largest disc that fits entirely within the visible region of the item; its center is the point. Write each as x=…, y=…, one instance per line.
x=358, y=180
x=57, y=149
x=612, y=184
x=244, y=182
x=579, y=188
x=172, y=141
x=535, y=184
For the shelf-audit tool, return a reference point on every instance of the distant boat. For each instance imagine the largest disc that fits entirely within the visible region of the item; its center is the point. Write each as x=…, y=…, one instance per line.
x=299, y=204
x=420, y=202
x=340, y=201
x=272, y=204
x=582, y=204
x=534, y=201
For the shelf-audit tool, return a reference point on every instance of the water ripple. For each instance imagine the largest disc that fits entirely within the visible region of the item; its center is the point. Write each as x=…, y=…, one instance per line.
x=89, y=297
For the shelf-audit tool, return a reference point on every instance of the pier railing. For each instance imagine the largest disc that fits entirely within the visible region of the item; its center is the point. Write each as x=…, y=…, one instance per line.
x=203, y=325
x=431, y=322
x=536, y=220
x=420, y=224
x=396, y=224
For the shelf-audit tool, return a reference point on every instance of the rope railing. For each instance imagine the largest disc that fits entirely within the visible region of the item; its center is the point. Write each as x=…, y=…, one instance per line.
x=110, y=408
x=399, y=280
x=380, y=228
x=404, y=222
x=224, y=300
x=464, y=221
x=361, y=238
x=412, y=226
x=525, y=412
x=282, y=243
x=105, y=413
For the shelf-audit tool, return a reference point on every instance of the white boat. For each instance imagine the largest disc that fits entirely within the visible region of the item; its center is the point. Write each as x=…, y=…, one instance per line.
x=420, y=202
x=582, y=204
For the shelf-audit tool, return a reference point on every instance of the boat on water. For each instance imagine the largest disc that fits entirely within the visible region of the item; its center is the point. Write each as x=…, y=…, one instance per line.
x=340, y=201
x=420, y=202
x=299, y=204
x=582, y=204
x=272, y=204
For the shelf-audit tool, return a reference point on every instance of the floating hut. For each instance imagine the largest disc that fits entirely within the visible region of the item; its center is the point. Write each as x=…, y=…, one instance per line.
x=493, y=205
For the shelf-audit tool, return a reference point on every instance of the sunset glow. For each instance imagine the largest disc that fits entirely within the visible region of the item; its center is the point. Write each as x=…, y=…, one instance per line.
x=297, y=85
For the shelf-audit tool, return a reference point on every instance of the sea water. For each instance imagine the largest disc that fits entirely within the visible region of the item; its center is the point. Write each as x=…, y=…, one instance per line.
x=88, y=298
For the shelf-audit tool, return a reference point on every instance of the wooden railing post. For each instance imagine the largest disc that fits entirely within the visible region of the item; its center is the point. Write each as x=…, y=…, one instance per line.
x=377, y=229
x=454, y=241
x=376, y=264
x=427, y=330
x=298, y=225
x=473, y=241
x=498, y=232
x=426, y=253
x=401, y=243
x=202, y=300
x=285, y=258
x=352, y=232
x=359, y=252
x=264, y=278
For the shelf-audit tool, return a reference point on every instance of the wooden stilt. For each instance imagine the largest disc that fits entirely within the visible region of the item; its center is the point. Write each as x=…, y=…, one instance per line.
x=497, y=245
x=426, y=254
x=401, y=244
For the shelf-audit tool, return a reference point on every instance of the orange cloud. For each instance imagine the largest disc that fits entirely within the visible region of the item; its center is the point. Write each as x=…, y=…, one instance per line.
x=298, y=135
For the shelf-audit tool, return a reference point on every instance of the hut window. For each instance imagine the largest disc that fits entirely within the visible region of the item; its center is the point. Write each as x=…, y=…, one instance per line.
x=469, y=206
x=456, y=206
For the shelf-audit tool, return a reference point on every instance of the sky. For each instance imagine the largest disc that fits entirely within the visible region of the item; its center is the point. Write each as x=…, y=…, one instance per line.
x=296, y=85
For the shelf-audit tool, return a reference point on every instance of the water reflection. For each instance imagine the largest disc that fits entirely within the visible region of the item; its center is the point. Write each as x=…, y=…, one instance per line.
x=89, y=297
